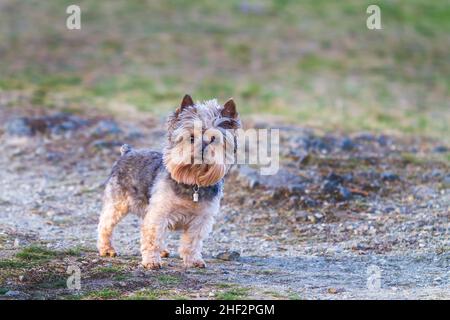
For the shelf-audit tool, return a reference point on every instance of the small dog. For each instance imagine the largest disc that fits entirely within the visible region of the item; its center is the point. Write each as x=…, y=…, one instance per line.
x=171, y=190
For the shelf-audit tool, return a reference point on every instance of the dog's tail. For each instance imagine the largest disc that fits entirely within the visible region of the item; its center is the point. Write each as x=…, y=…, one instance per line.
x=124, y=149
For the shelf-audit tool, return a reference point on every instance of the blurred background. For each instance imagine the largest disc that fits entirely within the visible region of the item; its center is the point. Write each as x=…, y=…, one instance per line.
x=314, y=63
x=364, y=173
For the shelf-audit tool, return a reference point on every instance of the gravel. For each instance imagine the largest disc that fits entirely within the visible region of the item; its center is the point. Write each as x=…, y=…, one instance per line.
x=317, y=238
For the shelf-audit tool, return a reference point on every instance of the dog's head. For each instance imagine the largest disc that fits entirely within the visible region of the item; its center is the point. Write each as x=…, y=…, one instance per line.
x=201, y=141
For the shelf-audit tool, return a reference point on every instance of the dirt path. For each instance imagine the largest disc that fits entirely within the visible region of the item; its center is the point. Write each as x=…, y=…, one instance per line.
x=356, y=209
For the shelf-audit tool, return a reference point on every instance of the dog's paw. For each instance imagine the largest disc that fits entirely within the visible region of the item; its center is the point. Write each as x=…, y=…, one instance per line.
x=197, y=263
x=151, y=265
x=165, y=254
x=107, y=252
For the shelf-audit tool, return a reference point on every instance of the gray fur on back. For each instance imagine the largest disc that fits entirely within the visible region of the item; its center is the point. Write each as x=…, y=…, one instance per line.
x=134, y=174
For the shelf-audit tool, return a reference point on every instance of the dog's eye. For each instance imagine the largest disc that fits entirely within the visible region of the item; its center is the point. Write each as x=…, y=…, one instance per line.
x=192, y=138
x=213, y=138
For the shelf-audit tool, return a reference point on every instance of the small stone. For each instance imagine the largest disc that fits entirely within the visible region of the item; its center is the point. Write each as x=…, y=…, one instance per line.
x=310, y=203
x=440, y=149
x=365, y=137
x=229, y=256
x=329, y=186
x=19, y=127
x=389, y=176
x=446, y=180
x=54, y=156
x=333, y=177
x=348, y=177
x=335, y=290
x=301, y=216
x=347, y=144
x=12, y=293
x=296, y=188
x=305, y=159
x=253, y=183
x=332, y=290
x=319, y=216
x=312, y=218
x=388, y=209
x=383, y=141
x=138, y=273
x=344, y=193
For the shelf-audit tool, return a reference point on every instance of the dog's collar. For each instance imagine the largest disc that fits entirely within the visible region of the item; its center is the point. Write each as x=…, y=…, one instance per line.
x=195, y=192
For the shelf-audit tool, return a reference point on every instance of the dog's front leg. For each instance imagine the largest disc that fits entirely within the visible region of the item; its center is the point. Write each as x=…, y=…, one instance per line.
x=153, y=232
x=192, y=241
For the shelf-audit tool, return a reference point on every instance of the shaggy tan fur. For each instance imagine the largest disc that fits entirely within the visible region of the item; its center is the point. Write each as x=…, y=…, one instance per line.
x=160, y=187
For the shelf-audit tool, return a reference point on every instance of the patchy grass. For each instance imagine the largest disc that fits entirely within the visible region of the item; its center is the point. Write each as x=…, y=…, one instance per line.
x=121, y=277
x=282, y=295
x=166, y=279
x=224, y=285
x=54, y=282
x=179, y=297
x=103, y=294
x=116, y=273
x=109, y=269
x=148, y=294
x=294, y=296
x=36, y=253
x=76, y=251
x=310, y=62
x=410, y=158
x=233, y=294
x=12, y=264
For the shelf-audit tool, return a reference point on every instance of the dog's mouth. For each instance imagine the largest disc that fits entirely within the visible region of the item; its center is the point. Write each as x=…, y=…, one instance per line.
x=197, y=174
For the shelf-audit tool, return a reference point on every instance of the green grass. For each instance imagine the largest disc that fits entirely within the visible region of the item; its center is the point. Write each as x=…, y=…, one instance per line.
x=224, y=285
x=166, y=279
x=147, y=294
x=54, y=282
x=294, y=296
x=233, y=294
x=309, y=62
x=12, y=264
x=36, y=253
x=104, y=294
x=116, y=272
x=76, y=251
x=283, y=295
x=109, y=269
x=3, y=291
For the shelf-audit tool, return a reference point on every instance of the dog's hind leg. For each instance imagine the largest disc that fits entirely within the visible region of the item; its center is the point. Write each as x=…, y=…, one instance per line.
x=113, y=211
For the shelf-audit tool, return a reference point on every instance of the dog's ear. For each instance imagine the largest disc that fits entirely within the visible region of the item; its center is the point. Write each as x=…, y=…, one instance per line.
x=229, y=109
x=186, y=102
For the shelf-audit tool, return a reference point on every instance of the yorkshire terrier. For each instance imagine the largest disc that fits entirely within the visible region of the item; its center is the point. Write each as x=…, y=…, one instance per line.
x=178, y=189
